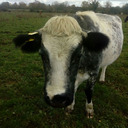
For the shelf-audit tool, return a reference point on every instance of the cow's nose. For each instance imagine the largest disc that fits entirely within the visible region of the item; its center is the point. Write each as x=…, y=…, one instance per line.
x=62, y=100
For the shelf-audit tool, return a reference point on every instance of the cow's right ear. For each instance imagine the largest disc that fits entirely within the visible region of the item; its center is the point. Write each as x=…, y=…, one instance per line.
x=29, y=43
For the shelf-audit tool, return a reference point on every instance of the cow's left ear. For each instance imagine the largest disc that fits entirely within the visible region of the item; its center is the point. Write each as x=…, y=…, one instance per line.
x=95, y=41
x=29, y=43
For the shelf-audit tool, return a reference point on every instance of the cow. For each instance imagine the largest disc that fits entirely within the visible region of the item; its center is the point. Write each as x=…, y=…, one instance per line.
x=126, y=19
x=74, y=49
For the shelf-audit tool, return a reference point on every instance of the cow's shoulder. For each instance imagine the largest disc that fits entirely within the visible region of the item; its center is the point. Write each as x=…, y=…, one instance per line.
x=88, y=20
x=96, y=22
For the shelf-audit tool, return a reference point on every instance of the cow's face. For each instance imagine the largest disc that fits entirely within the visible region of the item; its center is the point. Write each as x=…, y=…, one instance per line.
x=60, y=42
x=60, y=57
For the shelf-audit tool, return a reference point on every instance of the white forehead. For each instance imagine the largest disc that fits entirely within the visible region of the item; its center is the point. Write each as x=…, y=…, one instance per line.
x=62, y=26
x=61, y=45
x=61, y=33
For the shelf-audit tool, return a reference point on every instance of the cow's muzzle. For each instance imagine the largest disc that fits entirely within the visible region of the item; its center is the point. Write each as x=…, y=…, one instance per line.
x=60, y=101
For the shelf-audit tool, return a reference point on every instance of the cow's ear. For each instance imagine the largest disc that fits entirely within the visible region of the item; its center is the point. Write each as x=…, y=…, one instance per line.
x=95, y=41
x=29, y=43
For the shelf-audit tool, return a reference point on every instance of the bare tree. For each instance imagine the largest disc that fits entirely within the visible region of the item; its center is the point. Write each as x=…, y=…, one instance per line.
x=22, y=5
x=94, y=4
x=85, y=4
x=108, y=7
x=125, y=8
x=108, y=4
x=60, y=7
x=4, y=6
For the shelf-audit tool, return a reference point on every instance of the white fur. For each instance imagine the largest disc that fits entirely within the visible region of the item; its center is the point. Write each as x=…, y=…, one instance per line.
x=113, y=29
x=62, y=26
x=89, y=109
x=102, y=76
x=80, y=78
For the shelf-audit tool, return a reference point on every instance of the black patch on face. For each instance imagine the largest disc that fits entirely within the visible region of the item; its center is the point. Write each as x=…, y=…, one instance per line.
x=46, y=62
x=73, y=67
x=95, y=41
x=28, y=43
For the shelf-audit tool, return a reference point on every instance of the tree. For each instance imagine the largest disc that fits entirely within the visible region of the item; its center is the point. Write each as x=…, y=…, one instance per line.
x=5, y=6
x=22, y=5
x=66, y=4
x=60, y=7
x=108, y=4
x=125, y=9
x=85, y=4
x=55, y=3
x=94, y=4
x=15, y=6
x=37, y=6
x=90, y=5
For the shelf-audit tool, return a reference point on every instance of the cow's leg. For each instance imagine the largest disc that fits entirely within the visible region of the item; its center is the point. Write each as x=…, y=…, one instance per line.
x=70, y=108
x=89, y=109
x=88, y=91
x=102, y=76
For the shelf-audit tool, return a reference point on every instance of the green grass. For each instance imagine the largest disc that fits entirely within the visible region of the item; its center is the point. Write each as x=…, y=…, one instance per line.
x=21, y=85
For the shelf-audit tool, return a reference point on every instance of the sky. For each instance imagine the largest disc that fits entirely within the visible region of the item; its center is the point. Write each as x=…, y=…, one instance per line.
x=71, y=2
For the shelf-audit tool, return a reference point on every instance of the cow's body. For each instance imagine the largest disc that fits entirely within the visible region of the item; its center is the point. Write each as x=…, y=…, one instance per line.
x=73, y=49
x=110, y=26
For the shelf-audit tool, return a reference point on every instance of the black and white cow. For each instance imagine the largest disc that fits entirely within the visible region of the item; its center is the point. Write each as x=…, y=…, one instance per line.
x=73, y=49
x=126, y=19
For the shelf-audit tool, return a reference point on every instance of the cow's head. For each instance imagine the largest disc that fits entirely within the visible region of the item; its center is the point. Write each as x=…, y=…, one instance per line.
x=59, y=43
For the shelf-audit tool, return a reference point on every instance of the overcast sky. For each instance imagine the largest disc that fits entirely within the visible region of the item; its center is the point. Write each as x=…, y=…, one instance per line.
x=71, y=2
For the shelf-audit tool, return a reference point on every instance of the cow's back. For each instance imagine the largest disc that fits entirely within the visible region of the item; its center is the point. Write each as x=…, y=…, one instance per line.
x=113, y=29
x=107, y=24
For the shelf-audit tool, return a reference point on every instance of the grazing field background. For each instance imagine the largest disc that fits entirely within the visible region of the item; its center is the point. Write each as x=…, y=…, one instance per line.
x=22, y=77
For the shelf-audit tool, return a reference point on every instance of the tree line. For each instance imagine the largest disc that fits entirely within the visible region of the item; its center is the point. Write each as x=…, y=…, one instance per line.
x=64, y=7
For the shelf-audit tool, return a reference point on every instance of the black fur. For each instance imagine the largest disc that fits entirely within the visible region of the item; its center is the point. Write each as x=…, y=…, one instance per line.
x=23, y=41
x=126, y=19
x=95, y=41
x=86, y=23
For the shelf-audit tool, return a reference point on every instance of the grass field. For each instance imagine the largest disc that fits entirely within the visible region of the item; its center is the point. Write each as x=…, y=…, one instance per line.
x=21, y=85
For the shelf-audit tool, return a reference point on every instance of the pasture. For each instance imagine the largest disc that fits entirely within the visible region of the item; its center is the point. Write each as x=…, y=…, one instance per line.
x=21, y=84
